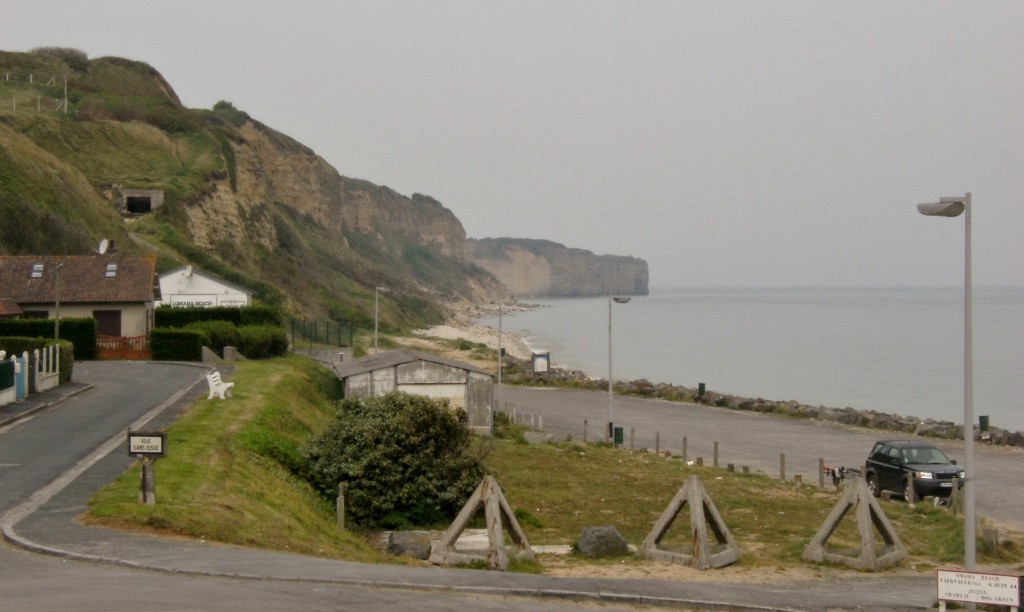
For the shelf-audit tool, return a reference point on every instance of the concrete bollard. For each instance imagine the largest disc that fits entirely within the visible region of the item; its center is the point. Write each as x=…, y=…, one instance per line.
x=584, y=431
x=821, y=473
x=730, y=467
x=632, y=438
x=684, y=449
x=700, y=462
x=657, y=441
x=716, y=455
x=782, y=467
x=798, y=479
x=746, y=469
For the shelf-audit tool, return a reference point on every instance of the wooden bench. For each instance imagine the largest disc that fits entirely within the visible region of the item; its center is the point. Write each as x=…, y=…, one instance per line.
x=217, y=386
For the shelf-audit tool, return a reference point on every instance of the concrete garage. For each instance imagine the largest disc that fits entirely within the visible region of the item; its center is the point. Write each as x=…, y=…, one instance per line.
x=464, y=386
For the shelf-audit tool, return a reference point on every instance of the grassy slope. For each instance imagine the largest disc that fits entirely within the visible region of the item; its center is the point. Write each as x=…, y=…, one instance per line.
x=223, y=480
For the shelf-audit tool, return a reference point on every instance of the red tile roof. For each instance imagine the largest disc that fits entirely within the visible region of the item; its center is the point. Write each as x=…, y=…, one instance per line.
x=8, y=308
x=83, y=279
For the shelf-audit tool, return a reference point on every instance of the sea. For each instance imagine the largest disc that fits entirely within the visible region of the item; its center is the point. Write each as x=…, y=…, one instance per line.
x=894, y=350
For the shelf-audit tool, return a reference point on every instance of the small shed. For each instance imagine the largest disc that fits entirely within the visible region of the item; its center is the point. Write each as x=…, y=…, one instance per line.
x=464, y=386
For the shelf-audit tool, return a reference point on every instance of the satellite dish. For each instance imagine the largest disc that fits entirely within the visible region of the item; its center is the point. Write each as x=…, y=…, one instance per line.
x=103, y=246
x=188, y=270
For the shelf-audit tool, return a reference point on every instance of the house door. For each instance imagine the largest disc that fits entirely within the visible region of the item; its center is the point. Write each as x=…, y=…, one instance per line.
x=108, y=322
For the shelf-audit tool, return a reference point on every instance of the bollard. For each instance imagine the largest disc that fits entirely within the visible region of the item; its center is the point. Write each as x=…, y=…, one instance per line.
x=730, y=467
x=716, y=455
x=798, y=479
x=631, y=439
x=540, y=422
x=340, y=508
x=657, y=442
x=684, y=450
x=700, y=461
x=821, y=473
x=746, y=469
x=584, y=431
x=782, y=467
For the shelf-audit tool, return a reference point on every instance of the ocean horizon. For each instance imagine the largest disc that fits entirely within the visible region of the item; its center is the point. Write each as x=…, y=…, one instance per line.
x=894, y=350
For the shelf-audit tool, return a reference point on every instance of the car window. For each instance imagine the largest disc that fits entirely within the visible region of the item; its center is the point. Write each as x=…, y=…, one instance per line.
x=894, y=455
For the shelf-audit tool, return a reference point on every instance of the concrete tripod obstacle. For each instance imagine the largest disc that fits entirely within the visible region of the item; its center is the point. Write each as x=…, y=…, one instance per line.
x=702, y=554
x=496, y=512
x=869, y=514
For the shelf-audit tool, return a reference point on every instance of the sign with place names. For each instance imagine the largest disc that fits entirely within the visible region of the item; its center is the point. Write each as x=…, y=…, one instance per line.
x=979, y=587
x=143, y=443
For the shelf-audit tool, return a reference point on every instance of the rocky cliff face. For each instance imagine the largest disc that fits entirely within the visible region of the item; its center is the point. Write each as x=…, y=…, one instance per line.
x=542, y=268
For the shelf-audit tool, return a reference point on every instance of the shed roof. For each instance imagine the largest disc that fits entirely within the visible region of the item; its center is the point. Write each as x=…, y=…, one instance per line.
x=390, y=359
x=8, y=308
x=84, y=279
x=207, y=275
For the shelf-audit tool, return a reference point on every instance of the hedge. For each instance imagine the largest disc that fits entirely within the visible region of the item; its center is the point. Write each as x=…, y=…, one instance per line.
x=262, y=341
x=80, y=332
x=169, y=316
x=178, y=344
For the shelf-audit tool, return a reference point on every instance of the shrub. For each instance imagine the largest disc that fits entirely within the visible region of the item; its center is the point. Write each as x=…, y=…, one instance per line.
x=178, y=344
x=220, y=334
x=405, y=458
x=262, y=341
x=80, y=332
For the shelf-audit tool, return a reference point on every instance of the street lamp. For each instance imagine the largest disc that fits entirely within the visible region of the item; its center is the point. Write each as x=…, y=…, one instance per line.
x=376, y=314
x=953, y=207
x=611, y=415
x=56, y=315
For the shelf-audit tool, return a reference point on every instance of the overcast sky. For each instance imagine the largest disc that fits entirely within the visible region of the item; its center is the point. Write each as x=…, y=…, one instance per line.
x=727, y=143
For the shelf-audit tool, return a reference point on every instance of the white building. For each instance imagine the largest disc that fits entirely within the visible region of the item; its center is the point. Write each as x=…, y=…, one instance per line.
x=190, y=288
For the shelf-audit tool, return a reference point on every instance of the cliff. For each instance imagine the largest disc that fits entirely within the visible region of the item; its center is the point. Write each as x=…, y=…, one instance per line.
x=240, y=200
x=542, y=268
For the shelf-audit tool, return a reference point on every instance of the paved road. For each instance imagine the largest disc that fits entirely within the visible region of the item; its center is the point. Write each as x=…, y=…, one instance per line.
x=756, y=440
x=107, y=569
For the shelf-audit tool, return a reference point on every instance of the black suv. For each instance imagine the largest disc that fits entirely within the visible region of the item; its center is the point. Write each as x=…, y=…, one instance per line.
x=894, y=465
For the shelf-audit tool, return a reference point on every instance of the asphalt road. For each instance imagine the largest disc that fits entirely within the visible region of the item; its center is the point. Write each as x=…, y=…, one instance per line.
x=755, y=440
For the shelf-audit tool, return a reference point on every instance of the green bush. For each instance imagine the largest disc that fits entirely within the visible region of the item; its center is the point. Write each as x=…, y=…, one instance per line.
x=169, y=316
x=178, y=344
x=220, y=334
x=262, y=341
x=405, y=458
x=80, y=332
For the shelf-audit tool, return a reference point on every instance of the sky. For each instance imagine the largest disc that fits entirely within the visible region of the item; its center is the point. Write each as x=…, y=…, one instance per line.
x=727, y=143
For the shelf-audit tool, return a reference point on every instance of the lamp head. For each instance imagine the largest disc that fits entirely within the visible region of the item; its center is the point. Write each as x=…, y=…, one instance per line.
x=621, y=300
x=946, y=207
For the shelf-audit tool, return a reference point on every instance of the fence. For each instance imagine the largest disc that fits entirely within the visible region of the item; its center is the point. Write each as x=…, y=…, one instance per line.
x=23, y=375
x=33, y=101
x=329, y=333
x=834, y=474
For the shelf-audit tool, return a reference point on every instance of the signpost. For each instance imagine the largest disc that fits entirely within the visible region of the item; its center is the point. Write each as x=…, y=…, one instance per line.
x=147, y=447
x=978, y=587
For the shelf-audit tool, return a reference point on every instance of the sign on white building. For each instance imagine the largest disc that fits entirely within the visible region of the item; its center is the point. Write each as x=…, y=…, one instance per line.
x=187, y=287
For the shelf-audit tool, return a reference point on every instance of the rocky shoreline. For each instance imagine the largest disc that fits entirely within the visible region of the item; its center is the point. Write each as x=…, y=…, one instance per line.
x=518, y=364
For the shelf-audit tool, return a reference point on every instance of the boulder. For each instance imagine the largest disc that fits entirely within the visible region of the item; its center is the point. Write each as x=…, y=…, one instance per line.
x=601, y=541
x=415, y=544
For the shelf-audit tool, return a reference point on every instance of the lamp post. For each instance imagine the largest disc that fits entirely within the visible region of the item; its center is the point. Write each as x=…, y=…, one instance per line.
x=952, y=207
x=56, y=315
x=611, y=413
x=376, y=314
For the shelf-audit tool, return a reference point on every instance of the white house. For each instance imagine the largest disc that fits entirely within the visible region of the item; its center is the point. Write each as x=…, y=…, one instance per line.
x=188, y=287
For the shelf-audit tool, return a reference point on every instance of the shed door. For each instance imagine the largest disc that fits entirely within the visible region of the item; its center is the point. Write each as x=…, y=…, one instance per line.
x=454, y=393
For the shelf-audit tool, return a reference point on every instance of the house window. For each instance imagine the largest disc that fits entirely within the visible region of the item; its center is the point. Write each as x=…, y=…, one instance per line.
x=111, y=270
x=37, y=270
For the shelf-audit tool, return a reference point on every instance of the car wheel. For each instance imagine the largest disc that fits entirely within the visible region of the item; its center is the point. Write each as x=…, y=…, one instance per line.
x=874, y=486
